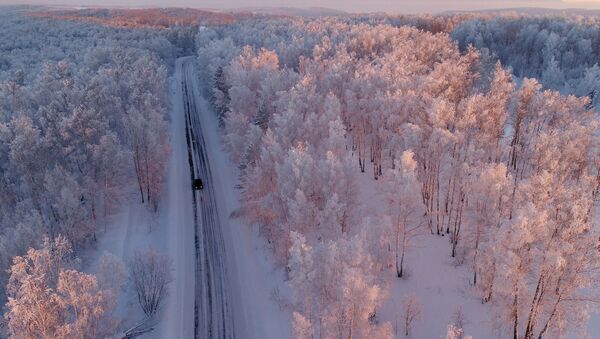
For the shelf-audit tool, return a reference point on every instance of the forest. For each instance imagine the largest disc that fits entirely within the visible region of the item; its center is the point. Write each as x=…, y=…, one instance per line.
x=560, y=51
x=83, y=116
x=479, y=130
x=504, y=167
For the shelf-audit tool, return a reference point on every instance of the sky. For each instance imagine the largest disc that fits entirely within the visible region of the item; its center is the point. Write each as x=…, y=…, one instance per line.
x=391, y=6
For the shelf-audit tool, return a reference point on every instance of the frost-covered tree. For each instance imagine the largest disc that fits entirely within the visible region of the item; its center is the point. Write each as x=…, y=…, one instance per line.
x=490, y=196
x=411, y=312
x=47, y=298
x=333, y=290
x=455, y=332
x=405, y=211
x=560, y=50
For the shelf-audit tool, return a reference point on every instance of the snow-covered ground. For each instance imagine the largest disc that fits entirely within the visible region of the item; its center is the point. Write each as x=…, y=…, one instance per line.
x=131, y=228
x=440, y=285
x=441, y=288
x=433, y=277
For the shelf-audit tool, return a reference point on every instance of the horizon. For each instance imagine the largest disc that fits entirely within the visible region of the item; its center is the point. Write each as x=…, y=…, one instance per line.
x=351, y=6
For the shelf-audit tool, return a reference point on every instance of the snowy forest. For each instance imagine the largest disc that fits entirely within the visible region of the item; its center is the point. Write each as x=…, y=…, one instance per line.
x=560, y=51
x=406, y=176
x=83, y=121
x=501, y=166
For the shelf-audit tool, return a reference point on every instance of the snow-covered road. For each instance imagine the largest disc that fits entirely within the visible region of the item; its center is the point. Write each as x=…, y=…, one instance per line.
x=226, y=287
x=179, y=225
x=212, y=307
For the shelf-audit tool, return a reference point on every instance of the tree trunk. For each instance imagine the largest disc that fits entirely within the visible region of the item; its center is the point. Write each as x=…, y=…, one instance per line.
x=457, y=223
x=516, y=316
x=475, y=266
x=138, y=172
x=400, y=252
x=398, y=269
x=532, y=318
x=437, y=191
x=402, y=257
x=147, y=173
x=545, y=328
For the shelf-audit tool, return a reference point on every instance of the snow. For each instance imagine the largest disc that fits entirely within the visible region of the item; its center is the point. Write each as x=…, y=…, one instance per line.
x=120, y=235
x=593, y=325
x=179, y=318
x=440, y=288
x=433, y=277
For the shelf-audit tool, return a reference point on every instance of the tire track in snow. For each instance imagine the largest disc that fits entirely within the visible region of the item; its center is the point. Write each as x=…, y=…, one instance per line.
x=213, y=316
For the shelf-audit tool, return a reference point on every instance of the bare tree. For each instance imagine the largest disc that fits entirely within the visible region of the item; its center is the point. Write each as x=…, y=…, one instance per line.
x=151, y=273
x=412, y=312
